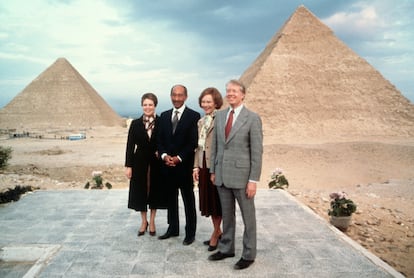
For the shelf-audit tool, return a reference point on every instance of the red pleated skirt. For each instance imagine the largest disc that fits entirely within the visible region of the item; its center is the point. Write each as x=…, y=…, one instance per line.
x=209, y=199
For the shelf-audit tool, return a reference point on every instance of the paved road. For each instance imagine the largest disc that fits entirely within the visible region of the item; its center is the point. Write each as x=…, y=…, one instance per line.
x=91, y=233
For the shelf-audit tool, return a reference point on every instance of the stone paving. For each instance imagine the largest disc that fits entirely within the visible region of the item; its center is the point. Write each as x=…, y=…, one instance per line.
x=91, y=233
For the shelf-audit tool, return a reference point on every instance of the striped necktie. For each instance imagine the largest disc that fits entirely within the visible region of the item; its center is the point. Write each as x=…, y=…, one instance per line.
x=175, y=120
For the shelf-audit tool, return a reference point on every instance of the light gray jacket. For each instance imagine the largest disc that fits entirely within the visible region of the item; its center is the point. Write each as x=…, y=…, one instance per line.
x=238, y=159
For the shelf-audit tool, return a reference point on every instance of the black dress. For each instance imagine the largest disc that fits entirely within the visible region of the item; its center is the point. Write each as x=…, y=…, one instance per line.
x=144, y=186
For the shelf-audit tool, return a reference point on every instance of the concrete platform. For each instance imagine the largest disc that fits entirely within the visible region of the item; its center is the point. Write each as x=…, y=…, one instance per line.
x=91, y=233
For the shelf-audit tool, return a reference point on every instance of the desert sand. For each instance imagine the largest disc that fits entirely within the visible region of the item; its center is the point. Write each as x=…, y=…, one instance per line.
x=378, y=175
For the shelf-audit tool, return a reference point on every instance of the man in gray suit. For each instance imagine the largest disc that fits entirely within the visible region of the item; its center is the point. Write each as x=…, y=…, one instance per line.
x=236, y=167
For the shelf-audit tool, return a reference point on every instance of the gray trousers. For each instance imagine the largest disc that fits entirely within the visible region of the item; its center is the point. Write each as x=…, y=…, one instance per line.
x=228, y=197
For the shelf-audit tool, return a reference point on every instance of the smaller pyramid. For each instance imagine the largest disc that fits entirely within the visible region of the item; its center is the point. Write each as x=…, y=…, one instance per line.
x=59, y=98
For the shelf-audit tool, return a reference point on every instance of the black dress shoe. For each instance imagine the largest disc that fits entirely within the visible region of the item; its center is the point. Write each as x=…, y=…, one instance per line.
x=188, y=240
x=220, y=256
x=206, y=242
x=242, y=264
x=168, y=235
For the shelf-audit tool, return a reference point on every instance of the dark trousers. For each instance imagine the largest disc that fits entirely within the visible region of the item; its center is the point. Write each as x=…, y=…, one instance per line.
x=187, y=194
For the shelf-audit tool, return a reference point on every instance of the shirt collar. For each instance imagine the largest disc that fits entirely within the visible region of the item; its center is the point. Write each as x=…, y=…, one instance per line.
x=236, y=110
x=180, y=110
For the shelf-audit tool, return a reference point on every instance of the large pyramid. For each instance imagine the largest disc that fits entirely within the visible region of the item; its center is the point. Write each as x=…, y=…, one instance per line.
x=59, y=98
x=308, y=85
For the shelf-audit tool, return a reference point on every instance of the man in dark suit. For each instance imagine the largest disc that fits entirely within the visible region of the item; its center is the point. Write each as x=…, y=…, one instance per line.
x=236, y=164
x=177, y=140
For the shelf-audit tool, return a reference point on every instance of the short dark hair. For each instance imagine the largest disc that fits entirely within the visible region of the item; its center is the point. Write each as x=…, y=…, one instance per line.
x=217, y=98
x=238, y=83
x=150, y=96
x=178, y=85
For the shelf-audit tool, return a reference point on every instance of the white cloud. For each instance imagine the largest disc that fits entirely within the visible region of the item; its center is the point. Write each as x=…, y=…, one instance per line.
x=94, y=37
x=381, y=32
x=363, y=23
x=123, y=48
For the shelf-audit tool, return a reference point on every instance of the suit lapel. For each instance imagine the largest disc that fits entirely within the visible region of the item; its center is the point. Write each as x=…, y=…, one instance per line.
x=141, y=126
x=179, y=121
x=221, y=123
x=169, y=116
x=210, y=129
x=156, y=119
x=241, y=119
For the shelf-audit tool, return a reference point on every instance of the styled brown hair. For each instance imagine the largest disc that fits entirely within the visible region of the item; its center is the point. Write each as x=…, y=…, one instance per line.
x=217, y=98
x=150, y=96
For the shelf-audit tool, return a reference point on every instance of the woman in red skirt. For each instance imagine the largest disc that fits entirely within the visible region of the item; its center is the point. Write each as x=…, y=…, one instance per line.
x=210, y=100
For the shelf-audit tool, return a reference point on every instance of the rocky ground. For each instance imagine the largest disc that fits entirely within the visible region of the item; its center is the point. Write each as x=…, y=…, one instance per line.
x=383, y=223
x=378, y=176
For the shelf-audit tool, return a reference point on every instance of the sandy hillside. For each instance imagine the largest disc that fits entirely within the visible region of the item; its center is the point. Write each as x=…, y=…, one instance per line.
x=377, y=175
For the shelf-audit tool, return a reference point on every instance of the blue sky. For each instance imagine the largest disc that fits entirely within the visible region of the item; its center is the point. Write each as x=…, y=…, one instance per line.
x=125, y=48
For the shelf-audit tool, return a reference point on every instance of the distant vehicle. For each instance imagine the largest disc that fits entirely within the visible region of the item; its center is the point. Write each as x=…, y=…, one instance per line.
x=78, y=136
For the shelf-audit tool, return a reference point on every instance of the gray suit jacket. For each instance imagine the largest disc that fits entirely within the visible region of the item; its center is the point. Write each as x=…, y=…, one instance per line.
x=238, y=159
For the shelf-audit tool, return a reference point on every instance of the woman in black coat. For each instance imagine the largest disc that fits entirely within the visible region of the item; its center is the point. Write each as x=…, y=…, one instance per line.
x=143, y=166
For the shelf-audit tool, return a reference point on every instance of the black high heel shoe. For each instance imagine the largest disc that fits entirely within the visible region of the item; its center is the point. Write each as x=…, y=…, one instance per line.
x=152, y=233
x=212, y=247
x=141, y=233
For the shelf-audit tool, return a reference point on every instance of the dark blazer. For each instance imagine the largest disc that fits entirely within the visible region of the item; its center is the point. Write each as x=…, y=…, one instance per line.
x=140, y=156
x=183, y=142
x=139, y=146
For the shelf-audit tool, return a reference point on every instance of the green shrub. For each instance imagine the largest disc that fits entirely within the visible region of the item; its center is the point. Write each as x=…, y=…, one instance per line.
x=13, y=195
x=5, y=155
x=98, y=182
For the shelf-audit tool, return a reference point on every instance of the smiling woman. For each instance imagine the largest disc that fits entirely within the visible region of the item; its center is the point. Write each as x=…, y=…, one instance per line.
x=210, y=100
